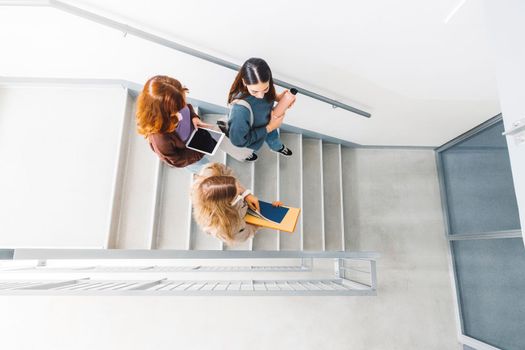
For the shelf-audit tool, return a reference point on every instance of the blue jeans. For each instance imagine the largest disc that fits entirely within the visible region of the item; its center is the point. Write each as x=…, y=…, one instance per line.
x=197, y=166
x=273, y=141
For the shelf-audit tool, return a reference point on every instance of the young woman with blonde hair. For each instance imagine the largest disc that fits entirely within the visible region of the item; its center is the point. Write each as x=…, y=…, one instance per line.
x=166, y=121
x=220, y=203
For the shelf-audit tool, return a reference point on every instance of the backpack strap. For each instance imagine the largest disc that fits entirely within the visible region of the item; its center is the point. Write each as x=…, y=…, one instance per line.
x=244, y=103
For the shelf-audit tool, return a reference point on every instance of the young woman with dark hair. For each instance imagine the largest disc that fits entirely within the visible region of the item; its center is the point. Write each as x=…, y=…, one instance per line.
x=254, y=84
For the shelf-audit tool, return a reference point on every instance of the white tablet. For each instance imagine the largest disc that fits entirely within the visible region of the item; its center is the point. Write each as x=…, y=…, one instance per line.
x=204, y=140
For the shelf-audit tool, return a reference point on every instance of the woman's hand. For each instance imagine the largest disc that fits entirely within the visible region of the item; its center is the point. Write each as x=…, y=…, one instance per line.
x=277, y=203
x=197, y=123
x=275, y=123
x=253, y=202
x=293, y=102
x=279, y=96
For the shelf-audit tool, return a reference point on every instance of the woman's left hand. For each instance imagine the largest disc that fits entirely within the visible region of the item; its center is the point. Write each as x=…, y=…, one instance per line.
x=252, y=201
x=277, y=203
x=197, y=123
x=279, y=96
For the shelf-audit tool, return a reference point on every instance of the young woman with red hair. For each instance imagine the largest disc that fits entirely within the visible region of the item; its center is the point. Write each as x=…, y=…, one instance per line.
x=167, y=121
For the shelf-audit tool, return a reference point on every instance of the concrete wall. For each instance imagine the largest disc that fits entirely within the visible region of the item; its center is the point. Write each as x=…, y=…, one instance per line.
x=506, y=27
x=58, y=150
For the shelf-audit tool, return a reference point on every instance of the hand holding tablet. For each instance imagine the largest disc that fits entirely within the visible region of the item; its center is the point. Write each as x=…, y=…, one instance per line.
x=205, y=140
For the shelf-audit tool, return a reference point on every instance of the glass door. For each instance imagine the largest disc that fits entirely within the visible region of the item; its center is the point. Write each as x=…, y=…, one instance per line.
x=483, y=230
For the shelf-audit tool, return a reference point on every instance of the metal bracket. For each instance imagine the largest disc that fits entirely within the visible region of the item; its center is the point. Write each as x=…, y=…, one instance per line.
x=339, y=265
x=517, y=132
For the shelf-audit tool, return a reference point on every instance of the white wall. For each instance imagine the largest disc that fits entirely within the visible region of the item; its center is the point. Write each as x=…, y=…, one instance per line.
x=58, y=150
x=61, y=45
x=506, y=27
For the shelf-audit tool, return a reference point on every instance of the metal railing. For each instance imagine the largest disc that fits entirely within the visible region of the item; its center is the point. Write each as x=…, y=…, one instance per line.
x=181, y=272
x=127, y=29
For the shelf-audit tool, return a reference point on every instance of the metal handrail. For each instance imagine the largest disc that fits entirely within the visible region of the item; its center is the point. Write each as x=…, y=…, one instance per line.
x=58, y=253
x=168, y=272
x=127, y=29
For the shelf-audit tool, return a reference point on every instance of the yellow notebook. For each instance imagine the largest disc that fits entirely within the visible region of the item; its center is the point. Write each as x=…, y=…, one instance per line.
x=287, y=224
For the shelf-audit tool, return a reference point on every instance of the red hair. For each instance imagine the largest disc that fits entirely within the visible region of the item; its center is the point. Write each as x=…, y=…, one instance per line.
x=157, y=105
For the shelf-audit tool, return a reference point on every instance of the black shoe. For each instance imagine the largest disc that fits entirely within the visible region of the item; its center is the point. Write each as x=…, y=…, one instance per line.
x=285, y=151
x=252, y=158
x=223, y=126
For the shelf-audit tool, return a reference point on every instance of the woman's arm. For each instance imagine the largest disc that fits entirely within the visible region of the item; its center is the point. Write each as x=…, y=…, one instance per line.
x=173, y=150
x=240, y=188
x=247, y=196
x=279, y=96
x=181, y=158
x=196, y=120
x=241, y=134
x=192, y=112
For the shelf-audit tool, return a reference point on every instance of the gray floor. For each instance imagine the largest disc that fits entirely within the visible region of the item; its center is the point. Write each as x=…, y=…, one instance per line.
x=394, y=209
x=392, y=195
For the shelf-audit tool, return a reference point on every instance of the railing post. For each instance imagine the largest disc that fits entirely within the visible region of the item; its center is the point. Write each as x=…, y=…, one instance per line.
x=339, y=267
x=373, y=275
x=307, y=264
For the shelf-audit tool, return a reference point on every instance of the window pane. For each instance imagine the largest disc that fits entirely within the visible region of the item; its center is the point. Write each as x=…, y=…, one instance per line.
x=478, y=184
x=491, y=283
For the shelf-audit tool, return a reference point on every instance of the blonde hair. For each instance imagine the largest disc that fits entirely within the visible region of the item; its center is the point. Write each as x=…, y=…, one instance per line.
x=212, y=194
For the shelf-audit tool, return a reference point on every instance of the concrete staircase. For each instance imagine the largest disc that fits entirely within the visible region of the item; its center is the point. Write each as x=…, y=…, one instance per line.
x=152, y=208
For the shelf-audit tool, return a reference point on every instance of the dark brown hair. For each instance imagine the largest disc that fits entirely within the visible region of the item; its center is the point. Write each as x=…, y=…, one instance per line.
x=253, y=71
x=157, y=105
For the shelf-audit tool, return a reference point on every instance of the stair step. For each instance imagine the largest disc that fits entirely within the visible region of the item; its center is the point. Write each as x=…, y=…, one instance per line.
x=313, y=214
x=314, y=166
x=333, y=204
x=356, y=179
x=244, y=172
x=201, y=240
x=134, y=219
x=351, y=185
x=211, y=118
x=290, y=188
x=175, y=209
x=265, y=188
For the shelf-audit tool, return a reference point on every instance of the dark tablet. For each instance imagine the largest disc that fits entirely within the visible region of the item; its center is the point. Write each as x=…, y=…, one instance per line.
x=204, y=140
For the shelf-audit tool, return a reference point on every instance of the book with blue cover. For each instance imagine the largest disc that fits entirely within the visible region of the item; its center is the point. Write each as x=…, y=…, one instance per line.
x=280, y=218
x=269, y=212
